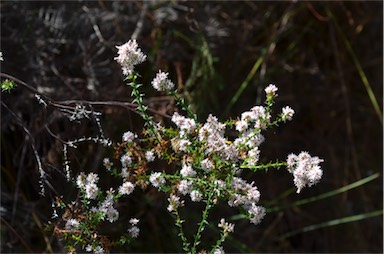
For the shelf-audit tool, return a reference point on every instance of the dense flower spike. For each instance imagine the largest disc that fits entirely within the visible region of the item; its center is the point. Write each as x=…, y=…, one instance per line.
x=129, y=55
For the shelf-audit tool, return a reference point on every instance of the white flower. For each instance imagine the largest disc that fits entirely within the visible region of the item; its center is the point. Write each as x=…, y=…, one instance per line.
x=271, y=90
x=305, y=169
x=92, y=178
x=126, y=160
x=134, y=221
x=98, y=250
x=186, y=125
x=129, y=136
x=287, y=113
x=125, y=173
x=81, y=180
x=219, y=250
x=207, y=164
x=129, y=55
x=185, y=187
x=112, y=214
x=183, y=145
x=89, y=248
x=149, y=156
x=134, y=231
x=227, y=227
x=107, y=163
x=187, y=171
x=253, y=156
x=257, y=212
x=241, y=125
x=161, y=82
x=291, y=161
x=72, y=224
x=157, y=179
x=127, y=188
x=91, y=190
x=196, y=196
x=174, y=203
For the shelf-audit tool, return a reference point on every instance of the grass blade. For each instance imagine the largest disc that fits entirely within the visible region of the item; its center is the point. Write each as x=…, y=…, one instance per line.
x=245, y=83
x=333, y=223
x=362, y=75
x=326, y=195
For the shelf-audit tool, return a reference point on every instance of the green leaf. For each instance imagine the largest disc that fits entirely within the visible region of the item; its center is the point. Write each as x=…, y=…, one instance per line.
x=7, y=85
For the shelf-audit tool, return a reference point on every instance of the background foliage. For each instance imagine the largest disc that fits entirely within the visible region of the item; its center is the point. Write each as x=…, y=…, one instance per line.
x=325, y=57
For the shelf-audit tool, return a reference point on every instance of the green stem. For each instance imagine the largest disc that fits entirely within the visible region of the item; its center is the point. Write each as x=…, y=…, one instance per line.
x=203, y=221
x=179, y=223
x=264, y=166
x=181, y=102
x=138, y=99
x=219, y=242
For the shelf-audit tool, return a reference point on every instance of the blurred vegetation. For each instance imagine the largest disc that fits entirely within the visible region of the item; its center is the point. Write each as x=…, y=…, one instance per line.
x=325, y=57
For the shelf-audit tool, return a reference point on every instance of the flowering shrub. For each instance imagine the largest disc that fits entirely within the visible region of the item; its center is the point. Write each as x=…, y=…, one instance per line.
x=206, y=167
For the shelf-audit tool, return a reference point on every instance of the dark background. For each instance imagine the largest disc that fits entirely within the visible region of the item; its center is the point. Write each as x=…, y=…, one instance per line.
x=325, y=57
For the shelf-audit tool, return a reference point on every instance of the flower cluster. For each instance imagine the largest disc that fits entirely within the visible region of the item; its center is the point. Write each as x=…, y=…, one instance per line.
x=134, y=230
x=305, y=169
x=129, y=136
x=156, y=179
x=186, y=125
x=129, y=55
x=161, y=82
x=206, y=163
x=72, y=224
x=227, y=227
x=107, y=208
x=212, y=136
x=96, y=250
x=88, y=184
x=271, y=90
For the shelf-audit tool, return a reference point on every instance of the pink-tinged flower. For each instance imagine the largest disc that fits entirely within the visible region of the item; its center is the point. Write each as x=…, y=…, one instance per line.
x=156, y=179
x=72, y=224
x=134, y=221
x=187, y=171
x=271, y=90
x=257, y=212
x=196, y=196
x=227, y=227
x=129, y=55
x=287, y=113
x=185, y=187
x=161, y=82
x=149, y=156
x=305, y=169
x=174, y=203
x=207, y=164
x=127, y=188
x=126, y=160
x=129, y=136
x=91, y=191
